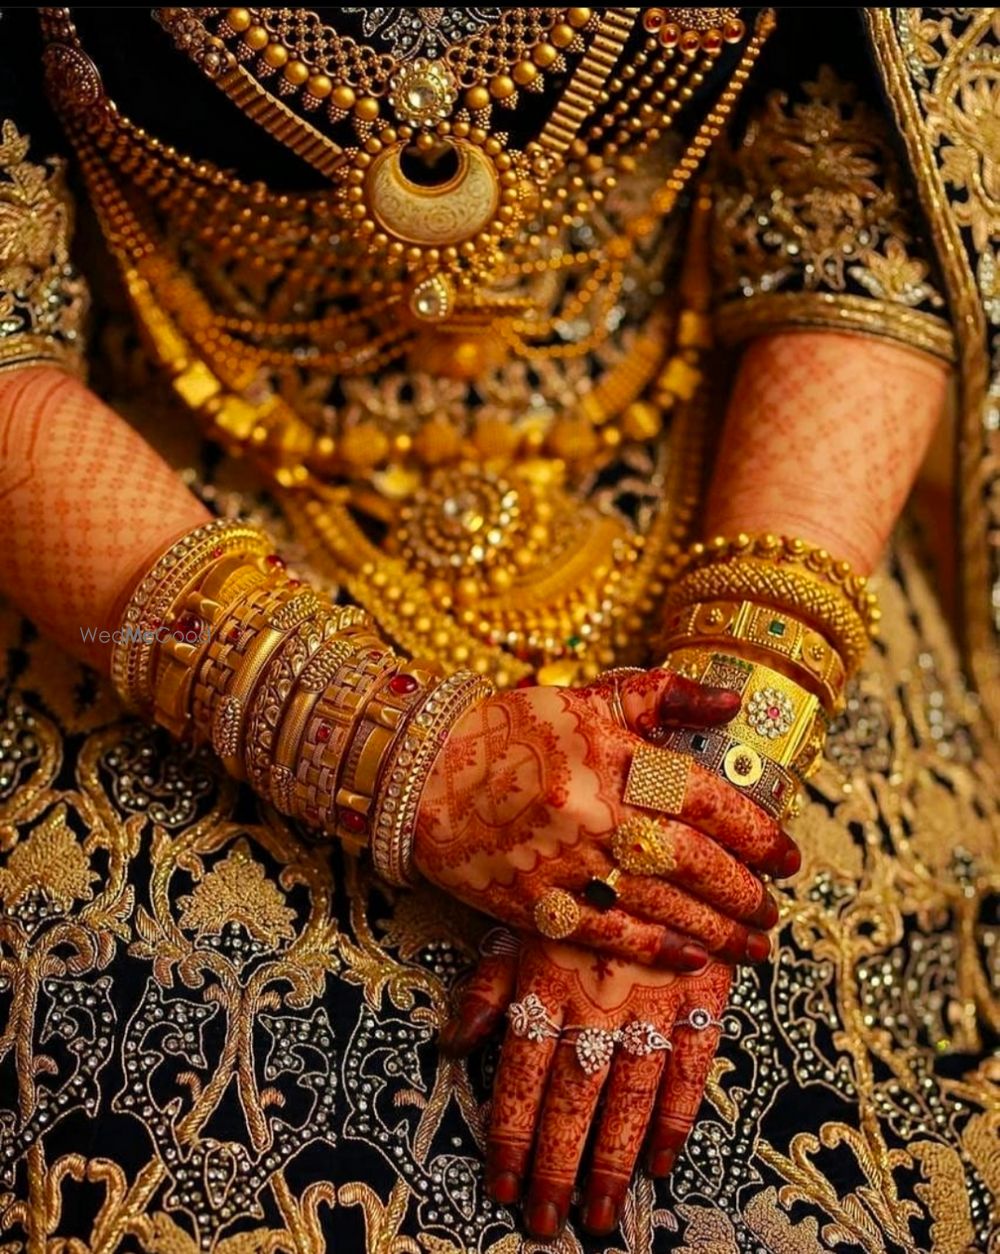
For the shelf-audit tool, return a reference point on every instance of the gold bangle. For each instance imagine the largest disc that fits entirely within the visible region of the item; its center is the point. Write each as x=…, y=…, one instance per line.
x=760, y=633
x=315, y=676
x=178, y=658
x=754, y=579
x=133, y=655
x=234, y=631
x=267, y=708
x=291, y=608
x=787, y=551
x=410, y=763
x=328, y=733
x=777, y=718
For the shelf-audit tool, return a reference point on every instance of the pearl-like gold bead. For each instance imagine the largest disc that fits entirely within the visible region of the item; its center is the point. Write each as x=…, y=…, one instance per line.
x=320, y=86
x=276, y=55
x=477, y=98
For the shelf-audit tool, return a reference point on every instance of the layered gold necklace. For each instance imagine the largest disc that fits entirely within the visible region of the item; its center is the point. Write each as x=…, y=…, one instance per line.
x=441, y=249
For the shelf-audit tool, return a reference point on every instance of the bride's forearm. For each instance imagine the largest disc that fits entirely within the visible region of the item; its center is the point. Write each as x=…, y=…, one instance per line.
x=823, y=438
x=88, y=505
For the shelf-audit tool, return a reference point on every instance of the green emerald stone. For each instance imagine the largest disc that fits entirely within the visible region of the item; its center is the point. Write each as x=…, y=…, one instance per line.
x=776, y=627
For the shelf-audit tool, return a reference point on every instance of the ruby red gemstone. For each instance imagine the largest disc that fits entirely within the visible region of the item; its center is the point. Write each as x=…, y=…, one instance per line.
x=187, y=625
x=218, y=551
x=323, y=733
x=353, y=821
x=402, y=684
x=773, y=711
x=233, y=635
x=295, y=583
x=274, y=559
x=654, y=19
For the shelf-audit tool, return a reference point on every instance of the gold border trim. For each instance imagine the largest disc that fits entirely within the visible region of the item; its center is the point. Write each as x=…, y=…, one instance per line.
x=24, y=349
x=979, y=640
x=741, y=319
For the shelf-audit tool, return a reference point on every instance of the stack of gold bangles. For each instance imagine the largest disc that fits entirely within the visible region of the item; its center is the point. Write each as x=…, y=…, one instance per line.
x=778, y=621
x=785, y=625
x=298, y=696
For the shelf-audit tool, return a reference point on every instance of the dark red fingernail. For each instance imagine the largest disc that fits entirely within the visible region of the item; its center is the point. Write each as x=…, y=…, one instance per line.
x=758, y=947
x=601, y=1215
x=691, y=957
x=766, y=914
x=662, y=1162
x=504, y=1187
x=790, y=863
x=689, y=702
x=542, y=1219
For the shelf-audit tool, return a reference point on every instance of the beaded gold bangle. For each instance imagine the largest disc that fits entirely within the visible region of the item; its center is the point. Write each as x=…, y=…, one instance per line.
x=408, y=766
x=760, y=633
x=789, y=552
x=158, y=591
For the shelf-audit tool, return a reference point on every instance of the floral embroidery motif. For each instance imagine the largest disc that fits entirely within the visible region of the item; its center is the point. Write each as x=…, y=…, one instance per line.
x=51, y=863
x=235, y=892
x=813, y=205
x=43, y=301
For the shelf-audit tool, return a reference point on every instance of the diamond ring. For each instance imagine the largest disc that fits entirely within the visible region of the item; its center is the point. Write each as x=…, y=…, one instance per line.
x=529, y=1019
x=595, y=1046
x=699, y=1018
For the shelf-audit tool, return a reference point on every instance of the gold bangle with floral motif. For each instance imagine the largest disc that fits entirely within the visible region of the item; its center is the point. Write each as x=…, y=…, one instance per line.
x=778, y=718
x=763, y=634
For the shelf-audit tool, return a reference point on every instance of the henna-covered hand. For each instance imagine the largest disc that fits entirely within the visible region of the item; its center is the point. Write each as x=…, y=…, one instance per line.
x=526, y=795
x=545, y=1102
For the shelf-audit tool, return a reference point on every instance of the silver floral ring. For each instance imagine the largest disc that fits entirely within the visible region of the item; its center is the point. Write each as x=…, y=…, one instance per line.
x=529, y=1019
x=595, y=1046
x=699, y=1018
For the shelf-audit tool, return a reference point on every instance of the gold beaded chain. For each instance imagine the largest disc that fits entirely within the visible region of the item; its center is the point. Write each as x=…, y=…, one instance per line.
x=431, y=272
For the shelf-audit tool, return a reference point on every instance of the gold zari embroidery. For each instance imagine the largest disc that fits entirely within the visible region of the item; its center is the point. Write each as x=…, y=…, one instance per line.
x=811, y=207
x=43, y=302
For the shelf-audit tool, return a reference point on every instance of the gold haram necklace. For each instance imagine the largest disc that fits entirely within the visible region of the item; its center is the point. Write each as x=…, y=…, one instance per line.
x=508, y=574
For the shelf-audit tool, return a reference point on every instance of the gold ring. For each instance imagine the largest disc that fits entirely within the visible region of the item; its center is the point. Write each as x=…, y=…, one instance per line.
x=642, y=846
x=601, y=893
x=615, y=675
x=557, y=914
x=657, y=779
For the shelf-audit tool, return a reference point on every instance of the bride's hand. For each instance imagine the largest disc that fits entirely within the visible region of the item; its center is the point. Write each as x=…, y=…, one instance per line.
x=616, y=1018
x=527, y=793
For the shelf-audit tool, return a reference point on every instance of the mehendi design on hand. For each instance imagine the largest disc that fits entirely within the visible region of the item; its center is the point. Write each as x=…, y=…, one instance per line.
x=527, y=793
